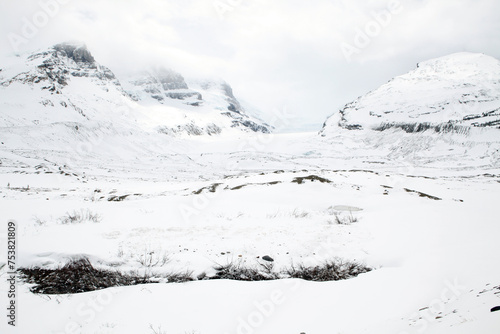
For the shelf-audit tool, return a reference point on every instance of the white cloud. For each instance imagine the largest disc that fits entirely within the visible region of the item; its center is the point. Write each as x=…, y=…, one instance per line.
x=273, y=52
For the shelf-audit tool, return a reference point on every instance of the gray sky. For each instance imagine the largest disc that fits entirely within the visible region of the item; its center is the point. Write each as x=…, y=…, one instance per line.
x=308, y=57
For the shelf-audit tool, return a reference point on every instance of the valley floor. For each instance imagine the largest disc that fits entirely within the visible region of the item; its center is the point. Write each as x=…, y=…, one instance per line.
x=429, y=231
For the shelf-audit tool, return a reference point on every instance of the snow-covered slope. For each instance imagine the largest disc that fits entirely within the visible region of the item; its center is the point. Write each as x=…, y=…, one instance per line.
x=62, y=84
x=65, y=84
x=454, y=92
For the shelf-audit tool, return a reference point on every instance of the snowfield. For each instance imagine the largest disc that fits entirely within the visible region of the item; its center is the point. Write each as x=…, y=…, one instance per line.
x=434, y=256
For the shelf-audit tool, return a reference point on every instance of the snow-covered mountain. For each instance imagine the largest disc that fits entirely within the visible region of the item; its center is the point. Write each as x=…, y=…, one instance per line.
x=454, y=92
x=66, y=84
x=446, y=112
x=207, y=106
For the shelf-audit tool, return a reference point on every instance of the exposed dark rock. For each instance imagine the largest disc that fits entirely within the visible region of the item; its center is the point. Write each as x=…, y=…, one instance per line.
x=421, y=194
x=232, y=108
x=160, y=98
x=255, y=127
x=448, y=127
x=312, y=178
x=191, y=129
x=163, y=84
x=79, y=54
x=212, y=188
x=160, y=81
x=170, y=80
x=242, y=120
x=213, y=129
x=183, y=95
x=353, y=127
x=115, y=198
x=228, y=90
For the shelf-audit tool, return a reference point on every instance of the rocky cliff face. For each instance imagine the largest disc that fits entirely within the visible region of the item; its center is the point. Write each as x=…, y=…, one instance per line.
x=220, y=93
x=161, y=84
x=164, y=86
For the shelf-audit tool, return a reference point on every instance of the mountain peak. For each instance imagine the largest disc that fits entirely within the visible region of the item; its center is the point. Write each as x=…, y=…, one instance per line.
x=460, y=66
x=76, y=51
x=462, y=58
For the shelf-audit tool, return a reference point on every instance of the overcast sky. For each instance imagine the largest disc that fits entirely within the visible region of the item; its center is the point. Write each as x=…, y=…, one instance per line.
x=309, y=57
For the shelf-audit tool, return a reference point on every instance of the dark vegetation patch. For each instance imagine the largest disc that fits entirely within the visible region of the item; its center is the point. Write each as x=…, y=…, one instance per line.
x=79, y=275
x=334, y=270
x=312, y=178
x=240, y=272
x=181, y=277
x=75, y=277
x=344, y=219
x=79, y=217
x=421, y=194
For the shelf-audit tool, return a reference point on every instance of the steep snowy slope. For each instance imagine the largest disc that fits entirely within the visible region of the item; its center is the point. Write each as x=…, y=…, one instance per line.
x=454, y=92
x=65, y=84
x=203, y=106
x=445, y=113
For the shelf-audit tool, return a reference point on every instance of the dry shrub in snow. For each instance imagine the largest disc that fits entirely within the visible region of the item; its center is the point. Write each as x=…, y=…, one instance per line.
x=79, y=275
x=333, y=270
x=79, y=217
x=76, y=276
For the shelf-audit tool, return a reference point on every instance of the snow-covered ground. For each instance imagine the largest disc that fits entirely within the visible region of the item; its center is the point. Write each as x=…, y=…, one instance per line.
x=435, y=257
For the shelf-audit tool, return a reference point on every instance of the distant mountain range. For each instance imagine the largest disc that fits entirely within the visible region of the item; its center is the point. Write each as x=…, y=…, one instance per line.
x=66, y=84
x=61, y=98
